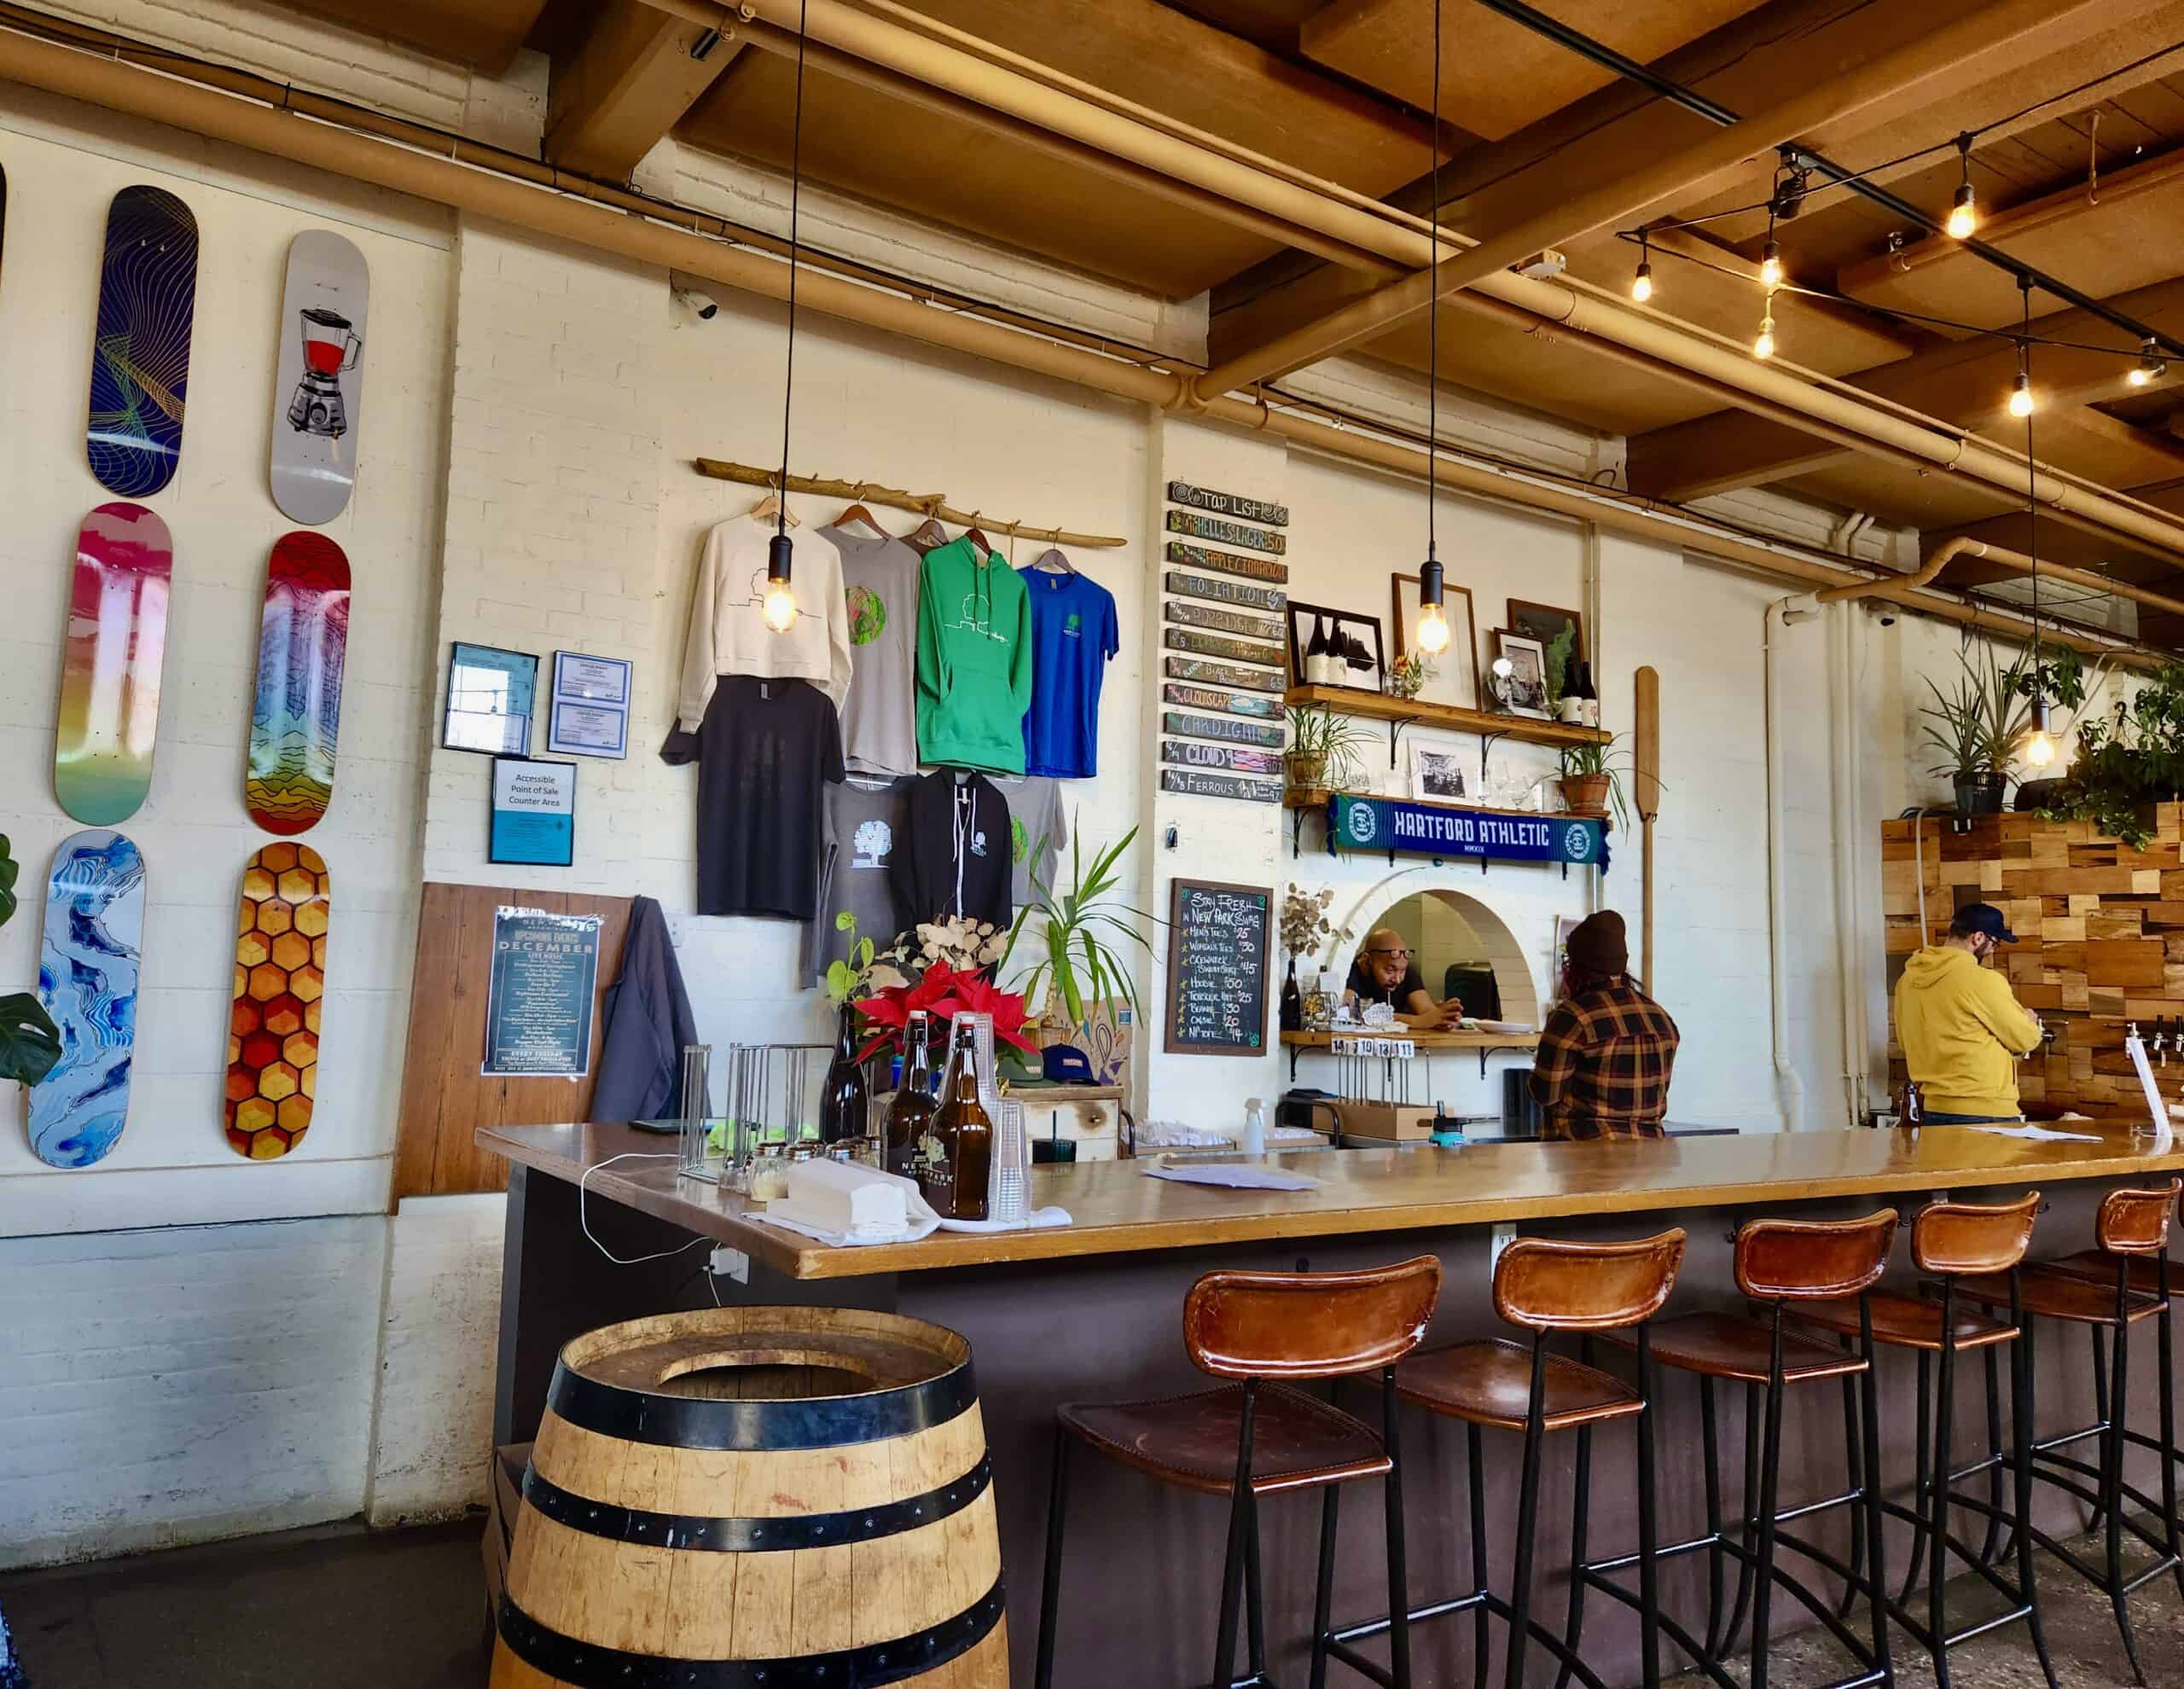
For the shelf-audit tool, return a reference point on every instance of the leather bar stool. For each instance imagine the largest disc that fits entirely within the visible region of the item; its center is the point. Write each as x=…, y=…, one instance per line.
x=1782, y=1265
x=1259, y=1435
x=1544, y=1288
x=2133, y=1227
x=1951, y=1242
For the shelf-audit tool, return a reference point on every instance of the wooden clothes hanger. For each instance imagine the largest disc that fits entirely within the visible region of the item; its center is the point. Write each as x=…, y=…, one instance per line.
x=767, y=508
x=1052, y=562
x=928, y=535
x=857, y=512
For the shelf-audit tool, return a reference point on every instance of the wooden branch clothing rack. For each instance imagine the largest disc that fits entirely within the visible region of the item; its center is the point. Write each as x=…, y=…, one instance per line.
x=934, y=505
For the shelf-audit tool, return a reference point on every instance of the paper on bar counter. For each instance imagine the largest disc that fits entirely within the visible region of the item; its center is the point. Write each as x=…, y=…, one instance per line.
x=1252, y=1175
x=2040, y=1134
x=843, y=1204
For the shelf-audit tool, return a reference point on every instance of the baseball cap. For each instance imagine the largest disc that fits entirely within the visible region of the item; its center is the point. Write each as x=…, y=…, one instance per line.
x=1983, y=917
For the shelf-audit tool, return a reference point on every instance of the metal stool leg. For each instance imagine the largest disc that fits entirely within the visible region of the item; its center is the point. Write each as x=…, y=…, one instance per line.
x=1755, y=1419
x=1323, y=1601
x=1937, y=1564
x=2168, y=1360
x=1649, y=1594
x=1991, y=1548
x=1051, y=1583
x=1716, y=1557
x=1254, y=1592
x=2021, y=1458
x=1232, y=1570
x=2112, y=1490
x=1398, y=1568
x=1856, y=1581
x=2100, y=1412
x=1877, y=1572
x=1521, y=1591
x=1770, y=1463
x=1574, y=1626
x=1482, y=1635
x=1925, y=1411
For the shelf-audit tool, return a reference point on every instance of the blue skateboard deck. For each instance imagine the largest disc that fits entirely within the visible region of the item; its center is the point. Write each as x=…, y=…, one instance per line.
x=140, y=352
x=87, y=977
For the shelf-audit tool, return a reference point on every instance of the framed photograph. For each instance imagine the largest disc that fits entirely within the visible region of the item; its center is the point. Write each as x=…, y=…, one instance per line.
x=1365, y=661
x=1545, y=623
x=1523, y=690
x=1436, y=776
x=1451, y=677
x=534, y=813
x=490, y=694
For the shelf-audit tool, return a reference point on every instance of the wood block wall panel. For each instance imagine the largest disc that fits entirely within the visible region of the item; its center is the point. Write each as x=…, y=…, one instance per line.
x=2101, y=927
x=444, y=1098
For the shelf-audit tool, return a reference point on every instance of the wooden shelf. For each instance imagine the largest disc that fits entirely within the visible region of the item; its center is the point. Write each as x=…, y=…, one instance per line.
x=1380, y=706
x=1424, y=1040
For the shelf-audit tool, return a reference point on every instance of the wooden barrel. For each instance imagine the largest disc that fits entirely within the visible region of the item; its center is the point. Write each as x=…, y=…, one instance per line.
x=757, y=1498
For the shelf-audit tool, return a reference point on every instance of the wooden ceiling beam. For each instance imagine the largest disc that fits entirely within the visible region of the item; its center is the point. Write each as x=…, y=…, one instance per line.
x=630, y=81
x=485, y=34
x=1965, y=383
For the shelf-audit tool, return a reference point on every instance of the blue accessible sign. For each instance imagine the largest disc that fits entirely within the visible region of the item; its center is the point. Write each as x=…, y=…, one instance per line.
x=1429, y=830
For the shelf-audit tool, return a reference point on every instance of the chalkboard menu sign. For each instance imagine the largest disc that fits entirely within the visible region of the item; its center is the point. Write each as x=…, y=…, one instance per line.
x=1219, y=940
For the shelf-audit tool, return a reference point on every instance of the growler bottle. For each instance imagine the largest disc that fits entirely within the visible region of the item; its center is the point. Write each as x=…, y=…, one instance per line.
x=914, y=1105
x=956, y=1158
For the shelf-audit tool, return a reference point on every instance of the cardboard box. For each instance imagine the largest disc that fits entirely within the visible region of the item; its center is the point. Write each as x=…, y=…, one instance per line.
x=1389, y=1122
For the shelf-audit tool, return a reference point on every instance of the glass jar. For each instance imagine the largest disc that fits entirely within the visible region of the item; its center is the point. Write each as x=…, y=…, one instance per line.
x=769, y=1174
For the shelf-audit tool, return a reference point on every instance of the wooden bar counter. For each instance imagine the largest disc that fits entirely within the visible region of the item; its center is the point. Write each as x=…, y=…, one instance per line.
x=1092, y=1311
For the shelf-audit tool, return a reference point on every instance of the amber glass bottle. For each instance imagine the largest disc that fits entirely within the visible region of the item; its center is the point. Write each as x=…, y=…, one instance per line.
x=956, y=1159
x=914, y=1105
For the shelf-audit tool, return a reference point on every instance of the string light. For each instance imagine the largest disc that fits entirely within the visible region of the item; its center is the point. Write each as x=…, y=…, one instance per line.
x=1641, y=285
x=2151, y=367
x=1770, y=265
x=2021, y=394
x=1764, y=347
x=1432, y=621
x=1963, y=215
x=778, y=607
x=2040, y=749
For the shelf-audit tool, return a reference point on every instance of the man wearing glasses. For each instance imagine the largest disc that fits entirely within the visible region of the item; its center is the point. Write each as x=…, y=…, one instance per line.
x=1385, y=972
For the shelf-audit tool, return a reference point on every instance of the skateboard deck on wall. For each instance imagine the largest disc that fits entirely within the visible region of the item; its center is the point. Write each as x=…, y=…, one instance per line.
x=318, y=396
x=109, y=713
x=140, y=353
x=87, y=974
x=295, y=714
x=279, y=984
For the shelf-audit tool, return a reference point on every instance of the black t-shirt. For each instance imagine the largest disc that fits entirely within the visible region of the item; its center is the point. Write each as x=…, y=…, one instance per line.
x=1367, y=986
x=766, y=751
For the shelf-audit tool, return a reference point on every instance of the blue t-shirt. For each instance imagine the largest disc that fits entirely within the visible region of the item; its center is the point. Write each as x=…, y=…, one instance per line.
x=1073, y=633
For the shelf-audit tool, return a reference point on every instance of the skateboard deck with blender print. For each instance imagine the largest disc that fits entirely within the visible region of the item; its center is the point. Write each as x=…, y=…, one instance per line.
x=87, y=974
x=295, y=713
x=140, y=351
x=279, y=984
x=319, y=393
x=109, y=712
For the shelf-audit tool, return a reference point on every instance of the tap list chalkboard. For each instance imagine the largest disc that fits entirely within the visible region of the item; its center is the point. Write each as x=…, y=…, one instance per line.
x=1219, y=945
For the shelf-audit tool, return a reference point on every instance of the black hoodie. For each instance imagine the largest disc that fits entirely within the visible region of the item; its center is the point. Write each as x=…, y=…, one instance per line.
x=957, y=858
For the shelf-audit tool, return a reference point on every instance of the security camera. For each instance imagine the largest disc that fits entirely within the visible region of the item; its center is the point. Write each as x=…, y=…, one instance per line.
x=1888, y=619
x=695, y=300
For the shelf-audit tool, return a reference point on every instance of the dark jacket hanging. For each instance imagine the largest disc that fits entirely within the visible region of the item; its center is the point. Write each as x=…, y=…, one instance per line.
x=648, y=1022
x=957, y=858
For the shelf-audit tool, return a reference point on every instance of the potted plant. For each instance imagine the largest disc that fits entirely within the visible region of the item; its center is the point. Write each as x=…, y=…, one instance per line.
x=1407, y=675
x=1084, y=962
x=1304, y=924
x=1323, y=750
x=29, y=1043
x=1592, y=780
x=1977, y=725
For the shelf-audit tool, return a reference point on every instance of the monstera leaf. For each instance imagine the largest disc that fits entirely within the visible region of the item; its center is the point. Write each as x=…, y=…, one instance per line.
x=29, y=1043
x=9, y=869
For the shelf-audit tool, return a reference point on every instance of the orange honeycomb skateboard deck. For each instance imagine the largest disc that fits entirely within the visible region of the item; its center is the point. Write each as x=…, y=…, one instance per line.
x=280, y=985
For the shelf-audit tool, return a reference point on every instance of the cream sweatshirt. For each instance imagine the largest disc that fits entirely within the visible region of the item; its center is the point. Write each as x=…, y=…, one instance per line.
x=729, y=635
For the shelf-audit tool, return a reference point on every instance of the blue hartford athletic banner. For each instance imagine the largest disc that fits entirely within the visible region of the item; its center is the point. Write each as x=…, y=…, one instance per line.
x=1426, y=830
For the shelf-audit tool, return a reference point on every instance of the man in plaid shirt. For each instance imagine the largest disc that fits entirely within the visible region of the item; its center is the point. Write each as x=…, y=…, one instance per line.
x=1608, y=1050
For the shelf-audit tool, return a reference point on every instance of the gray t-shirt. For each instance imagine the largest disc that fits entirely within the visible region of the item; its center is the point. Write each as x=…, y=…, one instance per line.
x=863, y=826
x=1035, y=814
x=880, y=585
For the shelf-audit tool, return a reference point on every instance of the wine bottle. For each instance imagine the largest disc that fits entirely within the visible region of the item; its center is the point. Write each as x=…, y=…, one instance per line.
x=1316, y=653
x=912, y=1109
x=1591, y=695
x=845, y=1099
x=1292, y=1002
x=955, y=1155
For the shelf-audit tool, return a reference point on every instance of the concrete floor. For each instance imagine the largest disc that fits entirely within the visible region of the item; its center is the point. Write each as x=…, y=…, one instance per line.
x=339, y=1607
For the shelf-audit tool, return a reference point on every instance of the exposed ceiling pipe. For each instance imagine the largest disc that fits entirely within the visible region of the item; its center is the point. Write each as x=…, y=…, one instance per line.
x=1693, y=170
x=991, y=87
x=2015, y=561
x=104, y=81
x=1942, y=557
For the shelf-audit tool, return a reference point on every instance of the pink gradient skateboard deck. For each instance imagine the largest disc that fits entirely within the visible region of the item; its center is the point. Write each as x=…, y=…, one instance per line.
x=117, y=634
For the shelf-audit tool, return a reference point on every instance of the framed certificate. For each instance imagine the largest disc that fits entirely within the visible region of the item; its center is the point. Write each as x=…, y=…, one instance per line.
x=588, y=714
x=490, y=695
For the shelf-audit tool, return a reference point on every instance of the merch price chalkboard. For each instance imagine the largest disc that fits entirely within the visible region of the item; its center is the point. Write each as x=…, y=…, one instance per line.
x=1219, y=945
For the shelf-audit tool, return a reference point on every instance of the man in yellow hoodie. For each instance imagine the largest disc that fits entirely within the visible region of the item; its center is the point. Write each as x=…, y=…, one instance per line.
x=1962, y=1030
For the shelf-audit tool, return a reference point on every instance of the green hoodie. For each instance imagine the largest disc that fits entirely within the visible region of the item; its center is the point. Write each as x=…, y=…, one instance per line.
x=1962, y=1031
x=974, y=659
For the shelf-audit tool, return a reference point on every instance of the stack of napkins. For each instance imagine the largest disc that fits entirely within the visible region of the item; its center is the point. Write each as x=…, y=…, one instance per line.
x=844, y=1203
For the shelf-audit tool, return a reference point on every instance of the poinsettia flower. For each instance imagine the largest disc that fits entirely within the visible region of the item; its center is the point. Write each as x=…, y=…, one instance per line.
x=975, y=994
x=891, y=1009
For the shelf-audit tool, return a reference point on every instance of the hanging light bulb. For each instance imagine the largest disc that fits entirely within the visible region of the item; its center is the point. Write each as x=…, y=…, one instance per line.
x=2151, y=367
x=1641, y=285
x=1432, y=621
x=1963, y=216
x=1764, y=347
x=1770, y=265
x=779, y=606
x=2021, y=394
x=2040, y=749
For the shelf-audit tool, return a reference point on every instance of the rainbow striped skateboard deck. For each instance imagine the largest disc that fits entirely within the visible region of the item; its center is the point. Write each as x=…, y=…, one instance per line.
x=109, y=714
x=140, y=354
x=87, y=973
x=319, y=394
x=280, y=982
x=295, y=715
